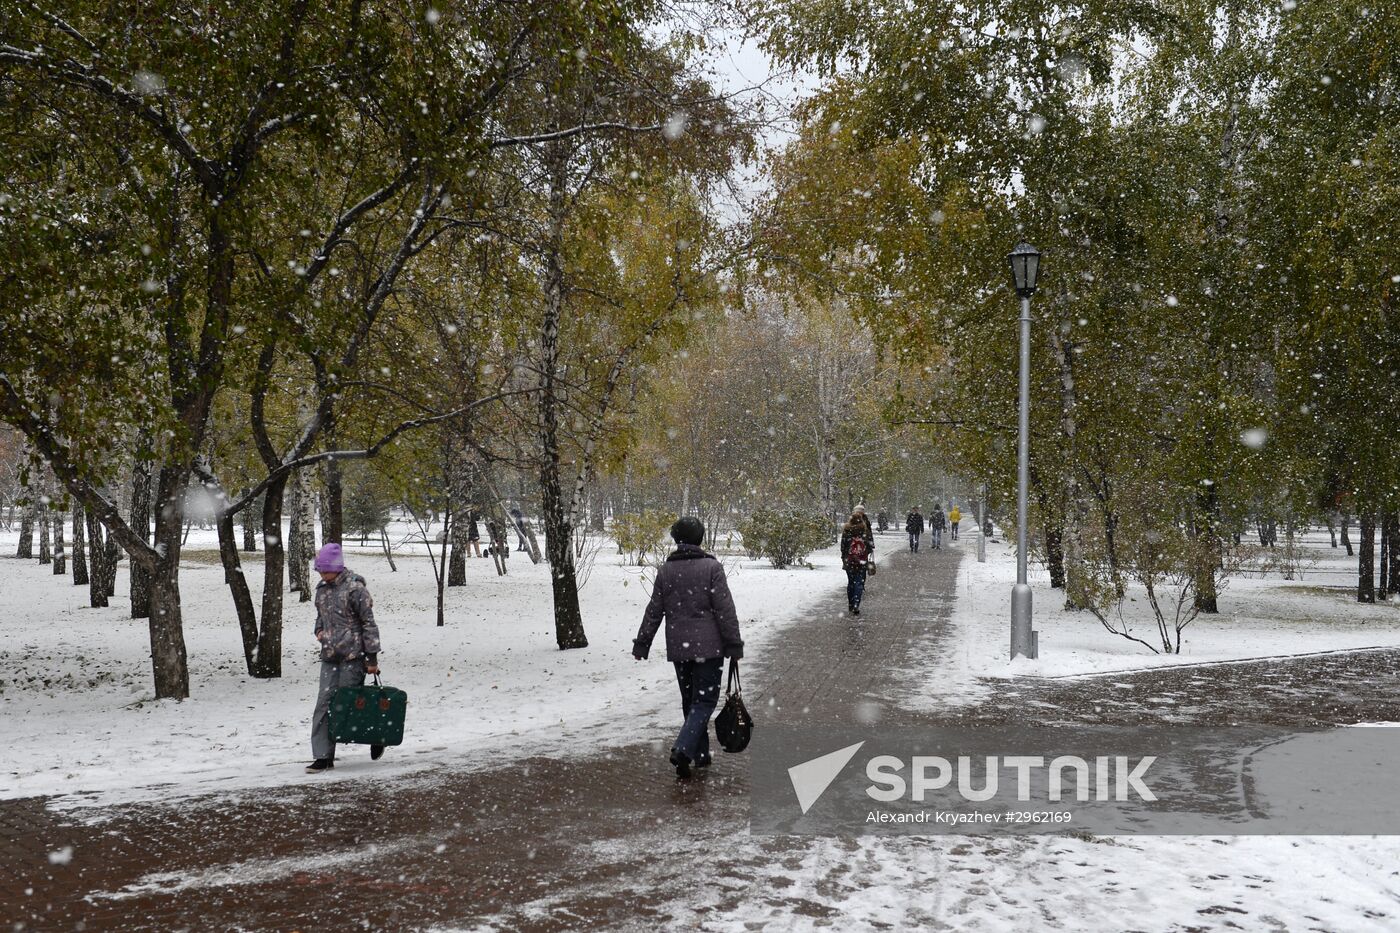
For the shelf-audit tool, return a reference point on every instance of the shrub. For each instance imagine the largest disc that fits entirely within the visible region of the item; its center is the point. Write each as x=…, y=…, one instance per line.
x=641, y=536
x=785, y=536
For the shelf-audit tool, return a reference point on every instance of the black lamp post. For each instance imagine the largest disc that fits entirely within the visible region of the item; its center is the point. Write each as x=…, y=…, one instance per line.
x=1025, y=269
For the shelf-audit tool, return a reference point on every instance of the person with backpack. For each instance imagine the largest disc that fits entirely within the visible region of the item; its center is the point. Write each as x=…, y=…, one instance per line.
x=954, y=516
x=857, y=550
x=914, y=524
x=349, y=639
x=936, y=523
x=692, y=596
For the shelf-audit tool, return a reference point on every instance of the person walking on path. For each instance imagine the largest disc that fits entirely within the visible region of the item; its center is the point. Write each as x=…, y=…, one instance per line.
x=857, y=548
x=518, y=518
x=936, y=523
x=702, y=629
x=474, y=533
x=954, y=516
x=349, y=640
x=914, y=524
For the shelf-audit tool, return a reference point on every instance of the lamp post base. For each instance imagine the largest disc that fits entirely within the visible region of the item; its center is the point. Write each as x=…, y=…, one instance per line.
x=1023, y=640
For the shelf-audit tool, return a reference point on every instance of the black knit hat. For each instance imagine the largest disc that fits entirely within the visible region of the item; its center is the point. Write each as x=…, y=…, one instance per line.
x=688, y=530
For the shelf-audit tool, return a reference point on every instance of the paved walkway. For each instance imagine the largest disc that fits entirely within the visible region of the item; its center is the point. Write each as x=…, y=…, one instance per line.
x=611, y=840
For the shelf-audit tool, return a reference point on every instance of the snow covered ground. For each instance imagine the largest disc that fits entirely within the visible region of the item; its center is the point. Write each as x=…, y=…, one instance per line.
x=1260, y=616
x=80, y=718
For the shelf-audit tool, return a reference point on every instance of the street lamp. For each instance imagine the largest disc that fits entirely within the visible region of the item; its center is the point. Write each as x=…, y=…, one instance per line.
x=1025, y=269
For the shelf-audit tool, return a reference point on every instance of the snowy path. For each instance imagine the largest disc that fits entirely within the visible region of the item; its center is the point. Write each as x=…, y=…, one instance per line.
x=613, y=840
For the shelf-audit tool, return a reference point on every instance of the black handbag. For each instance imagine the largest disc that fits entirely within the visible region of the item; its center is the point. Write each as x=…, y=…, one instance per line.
x=733, y=725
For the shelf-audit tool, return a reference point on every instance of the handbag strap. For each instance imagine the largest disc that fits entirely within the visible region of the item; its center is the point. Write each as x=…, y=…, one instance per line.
x=734, y=686
x=376, y=680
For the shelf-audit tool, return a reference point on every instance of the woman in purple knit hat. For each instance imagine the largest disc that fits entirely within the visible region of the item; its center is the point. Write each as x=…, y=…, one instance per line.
x=349, y=646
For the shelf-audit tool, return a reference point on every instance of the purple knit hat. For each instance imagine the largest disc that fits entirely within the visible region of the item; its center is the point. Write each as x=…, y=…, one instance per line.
x=329, y=559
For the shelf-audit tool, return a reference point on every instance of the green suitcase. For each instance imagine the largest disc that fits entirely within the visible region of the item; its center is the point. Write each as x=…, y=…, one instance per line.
x=368, y=715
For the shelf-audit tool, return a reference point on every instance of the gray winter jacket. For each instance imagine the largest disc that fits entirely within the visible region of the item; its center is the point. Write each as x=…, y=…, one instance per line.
x=692, y=595
x=345, y=619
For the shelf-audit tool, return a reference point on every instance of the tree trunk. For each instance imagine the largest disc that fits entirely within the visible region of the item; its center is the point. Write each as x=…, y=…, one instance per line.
x=168, y=659
x=60, y=558
x=306, y=529
x=268, y=662
x=1055, y=556
x=1366, y=564
x=250, y=527
x=449, y=532
x=80, y=567
x=45, y=552
x=111, y=554
x=97, y=561
x=1393, y=576
x=333, y=518
x=388, y=552
x=1382, y=590
x=1346, y=537
x=568, y=618
x=238, y=586
x=141, y=524
x=294, y=537
x=1208, y=564
x=460, y=487
x=25, y=550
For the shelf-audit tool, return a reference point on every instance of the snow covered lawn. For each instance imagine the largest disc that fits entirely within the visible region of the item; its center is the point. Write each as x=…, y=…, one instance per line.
x=80, y=718
x=1259, y=617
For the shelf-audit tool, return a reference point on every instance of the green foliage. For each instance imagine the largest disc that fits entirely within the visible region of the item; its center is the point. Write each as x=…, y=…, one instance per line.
x=786, y=536
x=368, y=500
x=641, y=536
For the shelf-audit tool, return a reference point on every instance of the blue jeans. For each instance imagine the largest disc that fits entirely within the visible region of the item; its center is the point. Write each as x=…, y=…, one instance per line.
x=699, y=682
x=936, y=537
x=855, y=586
x=914, y=541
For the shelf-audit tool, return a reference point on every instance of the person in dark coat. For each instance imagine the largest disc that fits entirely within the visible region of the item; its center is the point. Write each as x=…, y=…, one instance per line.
x=702, y=629
x=857, y=550
x=517, y=518
x=914, y=524
x=474, y=533
x=936, y=523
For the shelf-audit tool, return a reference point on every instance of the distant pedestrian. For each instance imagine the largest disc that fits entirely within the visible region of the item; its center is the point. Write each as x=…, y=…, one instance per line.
x=517, y=517
x=954, y=516
x=914, y=524
x=882, y=521
x=474, y=533
x=692, y=596
x=937, y=521
x=857, y=548
x=349, y=640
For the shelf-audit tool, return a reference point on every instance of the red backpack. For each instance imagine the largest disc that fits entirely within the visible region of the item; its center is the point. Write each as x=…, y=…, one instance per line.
x=858, y=551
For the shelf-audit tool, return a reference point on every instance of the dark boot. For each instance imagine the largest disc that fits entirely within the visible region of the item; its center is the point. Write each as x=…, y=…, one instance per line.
x=682, y=763
x=319, y=765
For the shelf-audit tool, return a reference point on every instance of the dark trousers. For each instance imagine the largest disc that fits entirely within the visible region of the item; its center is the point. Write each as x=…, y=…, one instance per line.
x=855, y=586
x=953, y=527
x=914, y=541
x=699, y=682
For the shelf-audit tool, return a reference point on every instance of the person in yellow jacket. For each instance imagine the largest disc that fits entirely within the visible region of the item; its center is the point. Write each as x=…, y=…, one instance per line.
x=954, y=516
